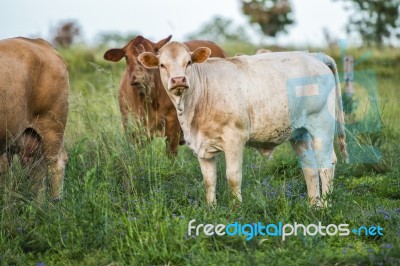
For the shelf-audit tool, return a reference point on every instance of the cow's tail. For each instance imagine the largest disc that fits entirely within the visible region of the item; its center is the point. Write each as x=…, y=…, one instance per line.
x=341, y=133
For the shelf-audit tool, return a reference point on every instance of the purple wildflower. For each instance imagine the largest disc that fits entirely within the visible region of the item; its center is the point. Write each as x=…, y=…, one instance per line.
x=387, y=245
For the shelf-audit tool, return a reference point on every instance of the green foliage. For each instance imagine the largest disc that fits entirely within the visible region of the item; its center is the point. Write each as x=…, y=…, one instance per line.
x=115, y=39
x=126, y=204
x=272, y=16
x=221, y=30
x=375, y=21
x=233, y=47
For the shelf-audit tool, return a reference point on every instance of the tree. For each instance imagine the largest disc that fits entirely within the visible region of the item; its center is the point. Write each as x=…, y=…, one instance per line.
x=272, y=16
x=375, y=20
x=65, y=33
x=221, y=30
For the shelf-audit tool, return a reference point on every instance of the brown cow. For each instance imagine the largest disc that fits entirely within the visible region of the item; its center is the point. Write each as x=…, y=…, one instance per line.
x=33, y=108
x=141, y=93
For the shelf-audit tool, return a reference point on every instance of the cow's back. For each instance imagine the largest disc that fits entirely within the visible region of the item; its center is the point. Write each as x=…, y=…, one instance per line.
x=255, y=89
x=216, y=51
x=33, y=83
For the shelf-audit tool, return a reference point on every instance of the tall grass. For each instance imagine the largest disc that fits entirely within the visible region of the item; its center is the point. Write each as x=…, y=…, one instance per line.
x=126, y=204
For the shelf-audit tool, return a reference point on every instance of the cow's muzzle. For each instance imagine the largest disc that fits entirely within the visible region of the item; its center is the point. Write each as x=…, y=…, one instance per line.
x=178, y=85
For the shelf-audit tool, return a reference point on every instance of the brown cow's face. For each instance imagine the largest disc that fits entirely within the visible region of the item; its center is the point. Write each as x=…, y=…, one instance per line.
x=140, y=78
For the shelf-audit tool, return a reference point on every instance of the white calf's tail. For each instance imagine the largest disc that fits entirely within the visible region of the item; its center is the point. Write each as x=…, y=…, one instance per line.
x=339, y=108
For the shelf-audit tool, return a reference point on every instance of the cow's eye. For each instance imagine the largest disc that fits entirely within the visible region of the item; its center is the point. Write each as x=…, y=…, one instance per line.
x=189, y=63
x=162, y=66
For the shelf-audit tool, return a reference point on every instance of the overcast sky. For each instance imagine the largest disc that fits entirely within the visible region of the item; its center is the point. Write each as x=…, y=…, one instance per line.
x=157, y=19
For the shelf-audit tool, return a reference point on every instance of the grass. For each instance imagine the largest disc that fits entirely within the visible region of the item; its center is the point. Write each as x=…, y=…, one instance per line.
x=130, y=205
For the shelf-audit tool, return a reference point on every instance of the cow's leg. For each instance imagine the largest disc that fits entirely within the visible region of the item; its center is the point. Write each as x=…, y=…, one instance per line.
x=327, y=175
x=41, y=167
x=56, y=165
x=4, y=163
x=56, y=159
x=172, y=132
x=57, y=170
x=31, y=158
x=209, y=171
x=305, y=155
x=38, y=172
x=234, y=161
x=137, y=131
x=326, y=160
x=29, y=144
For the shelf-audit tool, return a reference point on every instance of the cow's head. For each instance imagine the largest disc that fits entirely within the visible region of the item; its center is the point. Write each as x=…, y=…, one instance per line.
x=174, y=61
x=140, y=78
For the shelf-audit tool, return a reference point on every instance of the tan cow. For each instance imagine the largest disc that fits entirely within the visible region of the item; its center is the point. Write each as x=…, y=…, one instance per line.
x=141, y=94
x=33, y=108
x=263, y=50
x=262, y=101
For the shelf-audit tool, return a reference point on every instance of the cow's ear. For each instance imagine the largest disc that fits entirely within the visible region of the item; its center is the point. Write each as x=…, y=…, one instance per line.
x=161, y=43
x=200, y=54
x=114, y=54
x=149, y=60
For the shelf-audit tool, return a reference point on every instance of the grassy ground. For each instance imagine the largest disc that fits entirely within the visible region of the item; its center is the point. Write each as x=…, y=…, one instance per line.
x=131, y=205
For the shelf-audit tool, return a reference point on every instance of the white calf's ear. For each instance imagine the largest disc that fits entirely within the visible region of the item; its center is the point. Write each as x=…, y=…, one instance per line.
x=201, y=54
x=148, y=60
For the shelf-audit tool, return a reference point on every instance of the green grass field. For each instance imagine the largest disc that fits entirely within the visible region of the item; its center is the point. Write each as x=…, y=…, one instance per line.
x=129, y=205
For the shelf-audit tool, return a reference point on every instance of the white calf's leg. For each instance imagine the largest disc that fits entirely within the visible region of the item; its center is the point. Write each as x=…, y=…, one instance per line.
x=234, y=161
x=209, y=171
x=312, y=181
x=305, y=155
x=326, y=160
x=327, y=184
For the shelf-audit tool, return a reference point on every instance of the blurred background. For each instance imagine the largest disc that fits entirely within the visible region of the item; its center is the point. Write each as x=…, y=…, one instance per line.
x=294, y=23
x=128, y=204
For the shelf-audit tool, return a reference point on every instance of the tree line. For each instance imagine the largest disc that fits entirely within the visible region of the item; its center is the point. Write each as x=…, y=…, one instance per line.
x=377, y=22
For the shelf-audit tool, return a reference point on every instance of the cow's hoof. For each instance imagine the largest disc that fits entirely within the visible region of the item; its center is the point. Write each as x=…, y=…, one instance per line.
x=56, y=199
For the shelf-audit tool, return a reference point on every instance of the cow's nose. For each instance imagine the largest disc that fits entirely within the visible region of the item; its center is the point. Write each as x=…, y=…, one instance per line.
x=178, y=82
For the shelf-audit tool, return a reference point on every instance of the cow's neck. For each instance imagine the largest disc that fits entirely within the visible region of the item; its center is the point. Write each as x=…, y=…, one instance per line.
x=195, y=99
x=161, y=95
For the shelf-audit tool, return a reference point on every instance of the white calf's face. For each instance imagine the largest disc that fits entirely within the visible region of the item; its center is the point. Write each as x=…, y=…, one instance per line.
x=174, y=61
